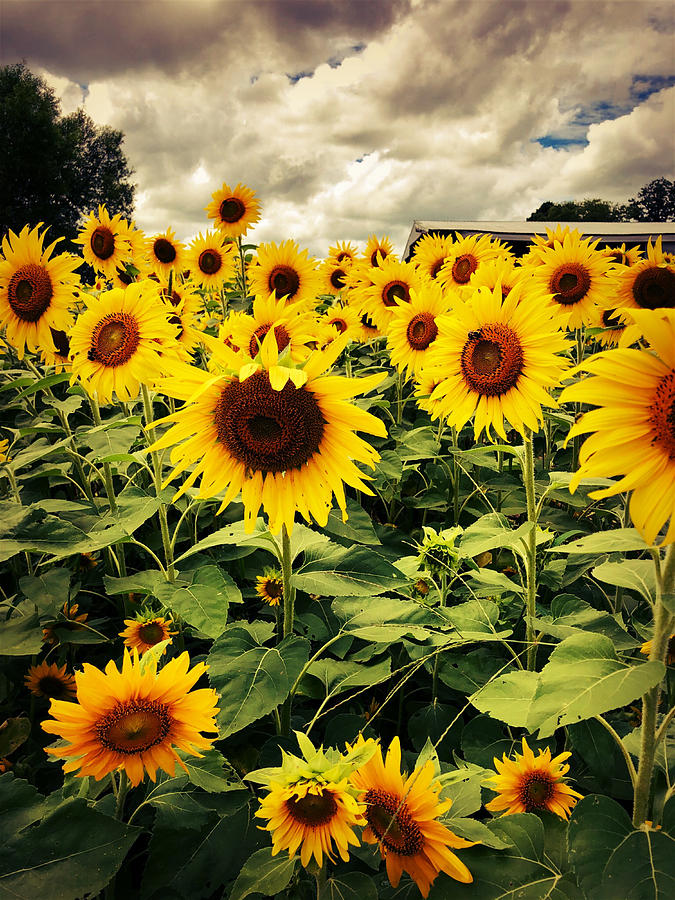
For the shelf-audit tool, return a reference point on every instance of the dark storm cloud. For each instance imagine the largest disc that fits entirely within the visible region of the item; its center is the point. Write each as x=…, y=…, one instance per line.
x=93, y=39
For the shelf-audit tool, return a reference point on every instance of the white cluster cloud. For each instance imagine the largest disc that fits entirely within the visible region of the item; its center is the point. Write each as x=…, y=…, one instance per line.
x=417, y=110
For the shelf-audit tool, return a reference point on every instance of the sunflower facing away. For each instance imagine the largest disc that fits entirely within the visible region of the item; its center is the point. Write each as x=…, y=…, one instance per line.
x=235, y=210
x=402, y=814
x=165, y=253
x=496, y=358
x=105, y=241
x=532, y=784
x=50, y=680
x=143, y=633
x=36, y=290
x=412, y=328
x=647, y=284
x=284, y=270
x=133, y=719
x=117, y=342
x=284, y=438
x=270, y=587
x=211, y=260
x=310, y=815
x=632, y=432
x=430, y=252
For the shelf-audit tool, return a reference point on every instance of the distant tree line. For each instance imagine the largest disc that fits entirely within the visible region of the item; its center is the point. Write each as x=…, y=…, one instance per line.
x=655, y=202
x=54, y=169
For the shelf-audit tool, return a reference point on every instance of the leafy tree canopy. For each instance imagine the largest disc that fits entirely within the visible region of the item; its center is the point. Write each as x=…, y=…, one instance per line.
x=655, y=202
x=54, y=168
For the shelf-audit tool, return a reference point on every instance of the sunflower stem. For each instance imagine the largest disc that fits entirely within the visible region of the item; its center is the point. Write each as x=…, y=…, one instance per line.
x=289, y=610
x=663, y=623
x=110, y=491
x=242, y=264
x=531, y=557
x=157, y=469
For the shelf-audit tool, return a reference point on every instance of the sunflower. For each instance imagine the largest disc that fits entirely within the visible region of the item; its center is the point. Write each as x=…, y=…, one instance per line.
x=284, y=438
x=235, y=210
x=4, y=447
x=184, y=295
x=284, y=270
x=573, y=274
x=211, y=260
x=430, y=252
x=105, y=241
x=391, y=283
x=402, y=814
x=165, y=253
x=133, y=719
x=137, y=266
x=622, y=256
x=646, y=648
x=270, y=587
x=377, y=250
x=333, y=274
x=117, y=342
x=146, y=631
x=648, y=284
x=50, y=681
x=343, y=320
x=466, y=255
x=343, y=252
x=496, y=358
x=426, y=384
x=532, y=784
x=288, y=323
x=413, y=329
x=502, y=271
x=616, y=333
x=632, y=431
x=36, y=290
x=188, y=334
x=58, y=355
x=72, y=621
x=539, y=242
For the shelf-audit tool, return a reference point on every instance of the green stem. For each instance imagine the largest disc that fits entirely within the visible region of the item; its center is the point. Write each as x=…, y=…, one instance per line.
x=157, y=469
x=620, y=744
x=242, y=264
x=663, y=622
x=110, y=491
x=289, y=612
x=531, y=557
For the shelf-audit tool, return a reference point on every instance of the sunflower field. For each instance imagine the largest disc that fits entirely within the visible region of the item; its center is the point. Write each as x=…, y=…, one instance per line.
x=335, y=579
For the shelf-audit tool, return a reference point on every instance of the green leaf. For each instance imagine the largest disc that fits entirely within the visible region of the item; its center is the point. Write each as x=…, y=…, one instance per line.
x=43, y=383
x=13, y=733
x=204, y=603
x=571, y=615
x=385, y=619
x=611, y=859
x=48, y=591
x=509, y=697
x=180, y=809
x=472, y=830
x=265, y=874
x=490, y=583
x=604, y=542
x=338, y=675
x=251, y=679
x=353, y=572
x=234, y=535
x=21, y=635
x=349, y=886
x=476, y=620
x=483, y=739
x=357, y=528
x=635, y=574
x=20, y=802
x=212, y=773
x=144, y=582
x=75, y=850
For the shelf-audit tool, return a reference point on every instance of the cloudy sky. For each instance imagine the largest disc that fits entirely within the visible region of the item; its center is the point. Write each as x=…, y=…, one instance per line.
x=349, y=117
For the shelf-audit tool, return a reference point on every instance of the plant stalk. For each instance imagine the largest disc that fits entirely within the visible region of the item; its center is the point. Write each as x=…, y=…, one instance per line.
x=289, y=613
x=157, y=469
x=531, y=557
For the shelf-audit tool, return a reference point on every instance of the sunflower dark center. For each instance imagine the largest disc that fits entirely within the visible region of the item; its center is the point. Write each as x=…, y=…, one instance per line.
x=124, y=276
x=176, y=320
x=611, y=320
x=392, y=823
x=339, y=323
x=367, y=322
x=232, y=209
x=337, y=279
x=536, y=789
x=134, y=726
x=313, y=810
x=102, y=242
x=210, y=262
x=50, y=686
x=61, y=342
x=436, y=267
x=30, y=292
x=395, y=291
x=422, y=330
x=151, y=633
x=114, y=340
x=374, y=256
x=463, y=268
x=173, y=298
x=281, y=335
x=268, y=430
x=654, y=288
x=274, y=588
x=341, y=257
x=570, y=283
x=492, y=360
x=662, y=418
x=284, y=280
x=164, y=250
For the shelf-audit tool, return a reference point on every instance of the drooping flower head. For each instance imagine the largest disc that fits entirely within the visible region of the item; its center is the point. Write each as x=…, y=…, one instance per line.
x=388, y=284
x=283, y=437
x=632, y=435
x=36, y=290
x=496, y=359
x=234, y=210
x=403, y=814
x=532, y=783
x=134, y=719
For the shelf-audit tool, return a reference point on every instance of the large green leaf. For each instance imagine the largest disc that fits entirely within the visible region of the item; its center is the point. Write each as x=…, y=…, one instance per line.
x=353, y=572
x=357, y=528
x=635, y=574
x=234, y=535
x=179, y=808
x=265, y=874
x=509, y=697
x=252, y=679
x=385, y=619
x=203, y=602
x=611, y=859
x=604, y=542
x=336, y=676
x=476, y=620
x=20, y=803
x=570, y=615
x=75, y=850
x=348, y=886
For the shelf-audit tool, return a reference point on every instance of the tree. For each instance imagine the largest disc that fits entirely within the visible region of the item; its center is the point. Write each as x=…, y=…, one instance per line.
x=655, y=202
x=595, y=210
x=54, y=168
